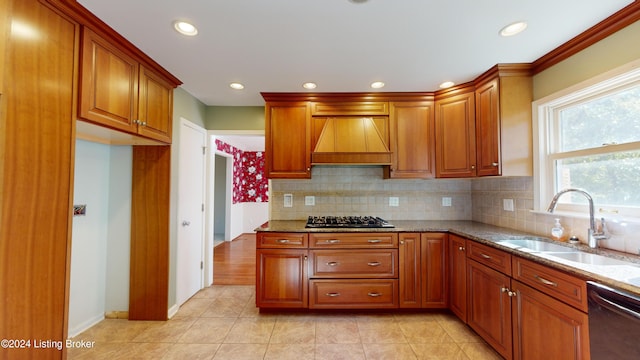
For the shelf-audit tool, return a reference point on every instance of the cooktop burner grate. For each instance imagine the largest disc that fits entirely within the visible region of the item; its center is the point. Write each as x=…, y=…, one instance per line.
x=347, y=222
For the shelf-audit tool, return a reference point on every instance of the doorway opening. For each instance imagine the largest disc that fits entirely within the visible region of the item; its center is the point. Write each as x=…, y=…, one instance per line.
x=222, y=190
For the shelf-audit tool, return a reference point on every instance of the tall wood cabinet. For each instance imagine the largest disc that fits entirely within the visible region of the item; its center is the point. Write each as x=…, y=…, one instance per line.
x=288, y=140
x=412, y=139
x=455, y=134
x=37, y=111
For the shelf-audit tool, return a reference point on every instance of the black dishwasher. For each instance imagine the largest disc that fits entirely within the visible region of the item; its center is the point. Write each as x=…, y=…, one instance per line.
x=614, y=323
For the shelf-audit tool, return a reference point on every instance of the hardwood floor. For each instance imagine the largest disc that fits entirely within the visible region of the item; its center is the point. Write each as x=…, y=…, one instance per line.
x=234, y=262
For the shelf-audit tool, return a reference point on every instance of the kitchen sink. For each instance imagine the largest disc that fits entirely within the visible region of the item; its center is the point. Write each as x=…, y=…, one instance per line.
x=531, y=245
x=587, y=258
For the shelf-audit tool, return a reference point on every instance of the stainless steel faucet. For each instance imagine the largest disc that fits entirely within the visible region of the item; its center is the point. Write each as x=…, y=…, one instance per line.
x=594, y=234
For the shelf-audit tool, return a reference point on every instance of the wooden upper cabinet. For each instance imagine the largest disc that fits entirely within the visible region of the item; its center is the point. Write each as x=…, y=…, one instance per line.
x=488, y=129
x=108, y=84
x=155, y=106
x=117, y=91
x=288, y=140
x=503, y=121
x=412, y=133
x=455, y=135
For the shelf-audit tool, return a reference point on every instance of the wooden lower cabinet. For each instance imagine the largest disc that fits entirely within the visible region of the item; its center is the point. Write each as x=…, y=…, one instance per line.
x=353, y=294
x=546, y=328
x=489, y=312
x=423, y=270
x=281, y=278
x=458, y=276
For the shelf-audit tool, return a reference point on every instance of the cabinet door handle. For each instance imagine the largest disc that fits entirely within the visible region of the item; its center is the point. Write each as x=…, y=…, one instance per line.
x=545, y=281
x=461, y=248
x=374, y=241
x=495, y=164
x=332, y=241
x=485, y=256
x=332, y=294
x=508, y=291
x=401, y=242
x=282, y=241
x=473, y=167
x=374, y=263
x=374, y=294
x=332, y=263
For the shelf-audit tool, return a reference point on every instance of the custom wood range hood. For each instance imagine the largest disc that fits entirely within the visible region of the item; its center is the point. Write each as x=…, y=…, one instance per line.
x=351, y=140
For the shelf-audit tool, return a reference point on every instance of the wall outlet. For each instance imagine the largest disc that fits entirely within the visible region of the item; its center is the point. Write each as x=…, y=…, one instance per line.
x=310, y=200
x=288, y=200
x=446, y=201
x=507, y=204
x=394, y=201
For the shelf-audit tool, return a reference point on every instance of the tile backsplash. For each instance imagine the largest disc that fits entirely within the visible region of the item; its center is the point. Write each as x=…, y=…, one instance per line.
x=361, y=190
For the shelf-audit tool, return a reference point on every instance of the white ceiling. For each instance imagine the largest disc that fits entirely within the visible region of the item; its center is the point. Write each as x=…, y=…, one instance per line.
x=244, y=142
x=276, y=45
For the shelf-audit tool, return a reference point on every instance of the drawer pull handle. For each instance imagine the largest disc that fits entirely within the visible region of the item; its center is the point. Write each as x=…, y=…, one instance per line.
x=332, y=263
x=333, y=294
x=485, y=256
x=545, y=281
x=332, y=241
x=374, y=294
x=374, y=241
x=374, y=263
x=282, y=241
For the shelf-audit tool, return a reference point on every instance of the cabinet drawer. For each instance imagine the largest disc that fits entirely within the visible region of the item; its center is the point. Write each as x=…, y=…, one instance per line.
x=282, y=240
x=491, y=257
x=350, y=108
x=354, y=264
x=562, y=286
x=353, y=294
x=354, y=240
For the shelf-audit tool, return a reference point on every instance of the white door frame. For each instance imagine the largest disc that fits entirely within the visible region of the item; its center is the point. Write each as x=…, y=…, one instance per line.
x=179, y=218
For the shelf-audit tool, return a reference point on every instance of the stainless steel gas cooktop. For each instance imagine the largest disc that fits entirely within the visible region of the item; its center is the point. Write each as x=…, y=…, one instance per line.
x=347, y=222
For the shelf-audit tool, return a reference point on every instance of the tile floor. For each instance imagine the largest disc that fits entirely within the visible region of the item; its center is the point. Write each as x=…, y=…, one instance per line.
x=222, y=322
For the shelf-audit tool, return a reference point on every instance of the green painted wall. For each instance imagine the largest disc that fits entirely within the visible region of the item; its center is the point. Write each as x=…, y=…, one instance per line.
x=607, y=54
x=188, y=107
x=235, y=118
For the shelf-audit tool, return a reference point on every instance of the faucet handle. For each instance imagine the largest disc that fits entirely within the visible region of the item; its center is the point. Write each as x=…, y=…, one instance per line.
x=602, y=232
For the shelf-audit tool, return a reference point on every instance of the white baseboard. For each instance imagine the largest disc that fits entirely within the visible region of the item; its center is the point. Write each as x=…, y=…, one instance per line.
x=173, y=310
x=77, y=330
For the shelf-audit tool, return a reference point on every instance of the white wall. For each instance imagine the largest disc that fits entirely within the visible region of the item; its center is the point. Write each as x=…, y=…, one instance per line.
x=119, y=243
x=254, y=215
x=89, y=237
x=100, y=240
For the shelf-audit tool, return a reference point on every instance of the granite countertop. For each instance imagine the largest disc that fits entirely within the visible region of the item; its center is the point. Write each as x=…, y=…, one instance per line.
x=624, y=276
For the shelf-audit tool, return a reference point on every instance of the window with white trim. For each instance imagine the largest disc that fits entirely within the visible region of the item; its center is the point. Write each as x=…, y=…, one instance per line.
x=588, y=137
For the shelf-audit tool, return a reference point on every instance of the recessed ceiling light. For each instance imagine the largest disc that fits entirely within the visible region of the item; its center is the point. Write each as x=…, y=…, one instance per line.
x=236, y=86
x=185, y=28
x=513, y=29
x=447, y=84
x=377, y=85
x=309, y=85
